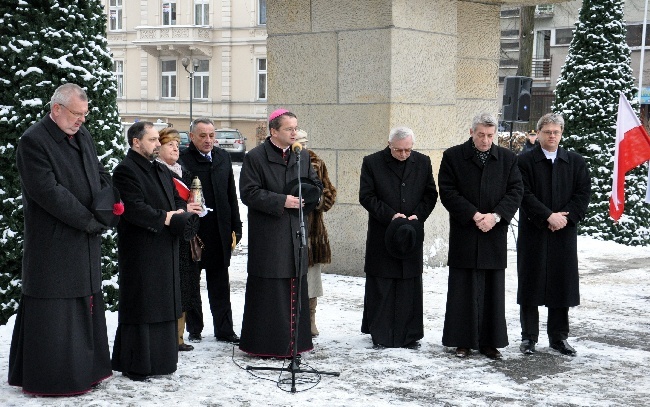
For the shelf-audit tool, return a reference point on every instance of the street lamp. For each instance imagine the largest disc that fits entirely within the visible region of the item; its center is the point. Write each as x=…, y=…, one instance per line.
x=195, y=65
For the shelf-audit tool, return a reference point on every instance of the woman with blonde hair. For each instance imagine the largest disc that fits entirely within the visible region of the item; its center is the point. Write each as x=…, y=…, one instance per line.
x=190, y=274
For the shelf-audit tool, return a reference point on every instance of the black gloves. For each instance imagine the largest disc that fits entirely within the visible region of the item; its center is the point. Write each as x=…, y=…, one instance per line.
x=95, y=228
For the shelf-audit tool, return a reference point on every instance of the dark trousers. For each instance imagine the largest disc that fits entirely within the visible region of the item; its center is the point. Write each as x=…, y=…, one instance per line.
x=557, y=325
x=217, y=282
x=194, y=321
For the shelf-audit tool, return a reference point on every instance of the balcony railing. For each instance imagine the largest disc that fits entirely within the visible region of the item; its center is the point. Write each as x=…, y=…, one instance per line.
x=542, y=69
x=174, y=39
x=544, y=10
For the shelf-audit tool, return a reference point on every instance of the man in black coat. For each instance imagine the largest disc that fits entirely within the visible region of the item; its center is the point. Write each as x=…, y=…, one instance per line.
x=214, y=168
x=272, y=288
x=148, y=260
x=480, y=185
x=59, y=345
x=396, y=183
x=557, y=189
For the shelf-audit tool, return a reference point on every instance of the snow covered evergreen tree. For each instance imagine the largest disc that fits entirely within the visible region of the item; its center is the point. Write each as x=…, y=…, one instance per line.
x=596, y=70
x=44, y=44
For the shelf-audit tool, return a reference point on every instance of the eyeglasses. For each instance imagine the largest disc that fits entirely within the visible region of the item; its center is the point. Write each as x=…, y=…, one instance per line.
x=402, y=150
x=291, y=129
x=76, y=114
x=555, y=133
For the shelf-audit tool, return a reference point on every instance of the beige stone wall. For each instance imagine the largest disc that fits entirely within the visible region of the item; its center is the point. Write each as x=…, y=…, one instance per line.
x=358, y=68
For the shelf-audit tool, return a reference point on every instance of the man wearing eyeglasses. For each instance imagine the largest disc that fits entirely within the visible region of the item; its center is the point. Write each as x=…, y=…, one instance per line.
x=396, y=187
x=480, y=186
x=59, y=345
x=557, y=189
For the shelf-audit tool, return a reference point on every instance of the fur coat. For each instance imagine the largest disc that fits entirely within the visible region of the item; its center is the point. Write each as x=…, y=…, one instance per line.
x=319, y=244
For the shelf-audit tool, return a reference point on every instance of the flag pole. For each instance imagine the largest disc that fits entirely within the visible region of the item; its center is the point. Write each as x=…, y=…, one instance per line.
x=643, y=33
x=645, y=22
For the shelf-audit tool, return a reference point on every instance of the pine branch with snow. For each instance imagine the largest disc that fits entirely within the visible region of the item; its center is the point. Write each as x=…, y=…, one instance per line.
x=47, y=43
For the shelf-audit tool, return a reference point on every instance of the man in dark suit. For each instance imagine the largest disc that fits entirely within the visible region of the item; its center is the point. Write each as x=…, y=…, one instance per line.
x=59, y=345
x=557, y=189
x=148, y=260
x=214, y=168
x=480, y=185
x=396, y=182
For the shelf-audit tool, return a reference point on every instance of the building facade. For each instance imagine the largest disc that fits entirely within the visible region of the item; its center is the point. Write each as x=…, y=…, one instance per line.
x=554, y=25
x=174, y=59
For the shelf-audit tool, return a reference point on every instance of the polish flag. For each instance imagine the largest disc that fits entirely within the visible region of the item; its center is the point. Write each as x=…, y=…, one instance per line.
x=182, y=189
x=632, y=150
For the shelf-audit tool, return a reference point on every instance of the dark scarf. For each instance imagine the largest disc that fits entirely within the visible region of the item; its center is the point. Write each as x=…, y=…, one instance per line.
x=481, y=155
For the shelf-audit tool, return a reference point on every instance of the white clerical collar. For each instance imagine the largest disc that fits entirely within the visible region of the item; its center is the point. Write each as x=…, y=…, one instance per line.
x=284, y=150
x=550, y=155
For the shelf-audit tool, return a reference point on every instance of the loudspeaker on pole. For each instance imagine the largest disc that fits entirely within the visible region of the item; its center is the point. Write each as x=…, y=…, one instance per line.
x=516, y=98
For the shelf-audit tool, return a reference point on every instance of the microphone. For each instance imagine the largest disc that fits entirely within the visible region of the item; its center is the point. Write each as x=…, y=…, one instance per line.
x=296, y=147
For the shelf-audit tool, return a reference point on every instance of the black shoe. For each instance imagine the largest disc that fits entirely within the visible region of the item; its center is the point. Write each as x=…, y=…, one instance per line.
x=491, y=353
x=462, y=352
x=136, y=377
x=527, y=347
x=196, y=338
x=183, y=347
x=378, y=346
x=234, y=339
x=564, y=348
x=413, y=345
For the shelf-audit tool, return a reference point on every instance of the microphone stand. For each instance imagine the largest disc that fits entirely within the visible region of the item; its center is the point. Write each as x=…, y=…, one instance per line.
x=294, y=366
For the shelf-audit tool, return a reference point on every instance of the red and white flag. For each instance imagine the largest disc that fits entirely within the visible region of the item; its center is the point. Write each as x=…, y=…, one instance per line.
x=182, y=189
x=632, y=150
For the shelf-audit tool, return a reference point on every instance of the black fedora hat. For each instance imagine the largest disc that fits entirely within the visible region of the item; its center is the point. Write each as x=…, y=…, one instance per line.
x=310, y=193
x=185, y=225
x=404, y=237
x=106, y=206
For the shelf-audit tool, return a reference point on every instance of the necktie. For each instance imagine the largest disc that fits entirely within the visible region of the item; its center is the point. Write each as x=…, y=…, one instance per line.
x=208, y=156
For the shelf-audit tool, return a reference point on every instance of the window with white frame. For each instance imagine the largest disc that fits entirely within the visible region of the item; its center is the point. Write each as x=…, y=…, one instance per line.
x=202, y=79
x=118, y=72
x=261, y=12
x=169, y=12
x=201, y=9
x=115, y=15
x=634, y=34
x=261, y=79
x=563, y=36
x=168, y=89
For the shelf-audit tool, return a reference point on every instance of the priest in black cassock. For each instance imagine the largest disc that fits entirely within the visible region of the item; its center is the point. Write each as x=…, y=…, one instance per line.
x=59, y=345
x=397, y=189
x=148, y=258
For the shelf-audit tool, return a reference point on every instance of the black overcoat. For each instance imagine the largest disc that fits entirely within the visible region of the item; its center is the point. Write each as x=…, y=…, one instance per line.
x=273, y=245
x=466, y=187
x=386, y=190
x=220, y=192
x=147, y=251
x=547, y=262
x=58, y=188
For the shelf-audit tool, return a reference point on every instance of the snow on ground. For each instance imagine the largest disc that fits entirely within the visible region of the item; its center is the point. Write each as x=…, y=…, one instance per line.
x=610, y=331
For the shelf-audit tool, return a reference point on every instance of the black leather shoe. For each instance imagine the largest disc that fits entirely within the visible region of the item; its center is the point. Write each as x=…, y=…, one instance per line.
x=527, y=347
x=229, y=338
x=462, y=352
x=183, y=347
x=413, y=345
x=491, y=353
x=564, y=348
x=194, y=338
x=136, y=377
